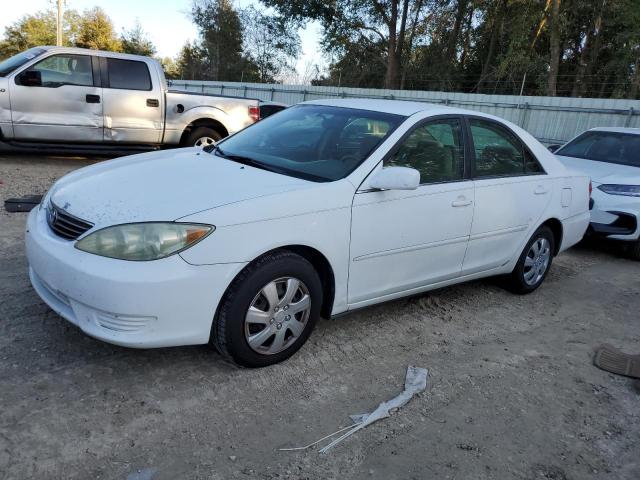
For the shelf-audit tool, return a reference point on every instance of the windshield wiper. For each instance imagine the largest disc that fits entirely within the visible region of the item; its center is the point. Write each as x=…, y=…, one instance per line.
x=216, y=150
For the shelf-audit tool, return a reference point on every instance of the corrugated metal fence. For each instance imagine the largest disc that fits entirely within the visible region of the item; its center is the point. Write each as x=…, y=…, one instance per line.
x=550, y=119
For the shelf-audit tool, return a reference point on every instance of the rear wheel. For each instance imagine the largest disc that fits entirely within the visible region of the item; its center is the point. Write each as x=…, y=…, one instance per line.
x=534, y=262
x=269, y=310
x=202, y=137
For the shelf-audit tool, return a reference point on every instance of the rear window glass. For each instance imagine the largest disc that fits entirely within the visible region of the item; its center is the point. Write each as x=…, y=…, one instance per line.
x=128, y=74
x=609, y=147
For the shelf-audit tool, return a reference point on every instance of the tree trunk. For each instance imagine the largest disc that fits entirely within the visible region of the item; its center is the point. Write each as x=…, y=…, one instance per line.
x=588, y=54
x=496, y=26
x=554, y=49
x=635, y=83
x=393, y=62
x=455, y=32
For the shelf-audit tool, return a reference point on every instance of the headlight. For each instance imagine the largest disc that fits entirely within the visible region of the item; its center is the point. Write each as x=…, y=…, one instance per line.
x=143, y=241
x=626, y=190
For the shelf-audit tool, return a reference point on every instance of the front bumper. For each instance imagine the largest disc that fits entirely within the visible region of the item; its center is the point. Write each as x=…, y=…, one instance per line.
x=160, y=303
x=614, y=216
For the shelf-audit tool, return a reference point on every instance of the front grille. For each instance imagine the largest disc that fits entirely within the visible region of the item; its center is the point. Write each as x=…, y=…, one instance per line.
x=64, y=224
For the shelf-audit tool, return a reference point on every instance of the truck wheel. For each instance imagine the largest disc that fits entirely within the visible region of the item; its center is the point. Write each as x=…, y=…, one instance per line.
x=202, y=137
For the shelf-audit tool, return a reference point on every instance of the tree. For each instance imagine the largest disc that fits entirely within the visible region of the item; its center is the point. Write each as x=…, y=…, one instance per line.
x=96, y=31
x=136, y=42
x=221, y=39
x=554, y=47
x=270, y=43
x=37, y=30
x=349, y=22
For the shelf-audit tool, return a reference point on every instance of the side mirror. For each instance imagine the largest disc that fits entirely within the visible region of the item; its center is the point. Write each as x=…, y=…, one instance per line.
x=553, y=148
x=396, y=178
x=30, y=78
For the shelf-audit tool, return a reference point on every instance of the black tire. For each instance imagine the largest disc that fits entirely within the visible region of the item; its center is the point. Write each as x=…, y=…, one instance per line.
x=201, y=132
x=516, y=281
x=228, y=329
x=633, y=250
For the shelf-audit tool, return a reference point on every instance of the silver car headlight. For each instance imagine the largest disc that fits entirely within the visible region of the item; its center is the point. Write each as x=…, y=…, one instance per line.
x=625, y=190
x=144, y=241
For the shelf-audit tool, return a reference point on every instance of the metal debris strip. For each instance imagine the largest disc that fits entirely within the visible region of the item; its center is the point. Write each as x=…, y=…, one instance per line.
x=415, y=382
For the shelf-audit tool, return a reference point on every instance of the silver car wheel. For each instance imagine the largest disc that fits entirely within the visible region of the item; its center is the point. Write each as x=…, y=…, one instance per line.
x=537, y=261
x=204, y=142
x=277, y=315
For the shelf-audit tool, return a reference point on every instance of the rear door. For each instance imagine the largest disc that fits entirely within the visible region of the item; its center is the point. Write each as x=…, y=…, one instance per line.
x=511, y=193
x=133, y=102
x=58, y=99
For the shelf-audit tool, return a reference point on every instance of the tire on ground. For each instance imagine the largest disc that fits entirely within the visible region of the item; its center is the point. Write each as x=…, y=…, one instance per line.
x=201, y=132
x=516, y=281
x=228, y=329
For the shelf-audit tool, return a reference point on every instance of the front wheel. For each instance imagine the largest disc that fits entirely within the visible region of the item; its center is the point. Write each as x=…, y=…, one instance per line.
x=534, y=262
x=269, y=310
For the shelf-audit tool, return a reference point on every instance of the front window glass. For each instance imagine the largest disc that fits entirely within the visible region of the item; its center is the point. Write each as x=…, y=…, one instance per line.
x=59, y=70
x=315, y=142
x=609, y=147
x=435, y=149
x=10, y=64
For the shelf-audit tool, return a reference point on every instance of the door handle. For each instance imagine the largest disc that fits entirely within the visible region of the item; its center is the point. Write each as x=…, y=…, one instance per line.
x=153, y=102
x=461, y=202
x=540, y=190
x=92, y=98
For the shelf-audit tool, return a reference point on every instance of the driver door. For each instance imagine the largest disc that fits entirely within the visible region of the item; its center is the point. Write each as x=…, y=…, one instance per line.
x=403, y=240
x=58, y=99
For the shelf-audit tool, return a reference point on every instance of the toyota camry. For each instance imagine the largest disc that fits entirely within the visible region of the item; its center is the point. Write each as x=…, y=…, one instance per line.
x=323, y=208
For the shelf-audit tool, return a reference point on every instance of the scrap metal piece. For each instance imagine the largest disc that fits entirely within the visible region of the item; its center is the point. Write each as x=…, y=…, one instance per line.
x=415, y=382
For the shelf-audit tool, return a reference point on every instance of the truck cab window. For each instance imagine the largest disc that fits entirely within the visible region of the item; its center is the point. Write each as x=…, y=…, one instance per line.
x=128, y=74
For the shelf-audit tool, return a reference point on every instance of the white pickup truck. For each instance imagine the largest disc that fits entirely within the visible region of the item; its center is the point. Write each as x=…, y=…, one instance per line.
x=71, y=96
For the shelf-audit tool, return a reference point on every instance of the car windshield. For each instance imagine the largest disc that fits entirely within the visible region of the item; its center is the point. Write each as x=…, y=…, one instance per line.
x=601, y=146
x=315, y=142
x=10, y=64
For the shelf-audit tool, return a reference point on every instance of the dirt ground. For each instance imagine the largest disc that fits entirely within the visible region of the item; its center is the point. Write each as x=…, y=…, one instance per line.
x=512, y=392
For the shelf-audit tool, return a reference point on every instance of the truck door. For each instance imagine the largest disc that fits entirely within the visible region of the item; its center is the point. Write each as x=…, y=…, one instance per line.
x=133, y=102
x=58, y=99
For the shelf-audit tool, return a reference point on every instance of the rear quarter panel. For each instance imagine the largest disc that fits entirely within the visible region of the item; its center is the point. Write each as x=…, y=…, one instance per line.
x=232, y=113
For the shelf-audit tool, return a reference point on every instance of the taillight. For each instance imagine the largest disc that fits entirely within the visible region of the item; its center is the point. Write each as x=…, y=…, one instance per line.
x=254, y=113
x=590, y=188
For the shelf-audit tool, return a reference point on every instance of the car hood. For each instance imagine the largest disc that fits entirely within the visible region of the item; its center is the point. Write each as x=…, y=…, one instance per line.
x=603, y=172
x=163, y=186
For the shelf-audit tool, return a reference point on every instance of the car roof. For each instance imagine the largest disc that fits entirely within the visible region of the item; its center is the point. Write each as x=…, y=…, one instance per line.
x=398, y=107
x=87, y=51
x=634, y=131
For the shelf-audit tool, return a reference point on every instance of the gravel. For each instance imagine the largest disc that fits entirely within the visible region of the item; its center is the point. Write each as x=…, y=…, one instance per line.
x=512, y=394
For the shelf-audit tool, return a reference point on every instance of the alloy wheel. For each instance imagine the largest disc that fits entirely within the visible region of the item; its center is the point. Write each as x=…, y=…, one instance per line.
x=537, y=261
x=204, y=142
x=277, y=315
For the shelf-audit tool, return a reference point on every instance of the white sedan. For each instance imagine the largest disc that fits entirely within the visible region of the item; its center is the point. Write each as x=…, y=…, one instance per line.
x=611, y=156
x=323, y=208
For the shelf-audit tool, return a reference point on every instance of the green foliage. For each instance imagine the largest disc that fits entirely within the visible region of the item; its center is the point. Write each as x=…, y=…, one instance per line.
x=136, y=42
x=95, y=31
x=91, y=29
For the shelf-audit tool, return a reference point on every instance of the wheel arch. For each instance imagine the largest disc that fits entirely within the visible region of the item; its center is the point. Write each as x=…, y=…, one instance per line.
x=556, y=228
x=204, y=122
x=319, y=262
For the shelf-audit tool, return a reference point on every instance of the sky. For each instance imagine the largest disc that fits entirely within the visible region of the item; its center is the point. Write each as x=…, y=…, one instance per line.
x=165, y=21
